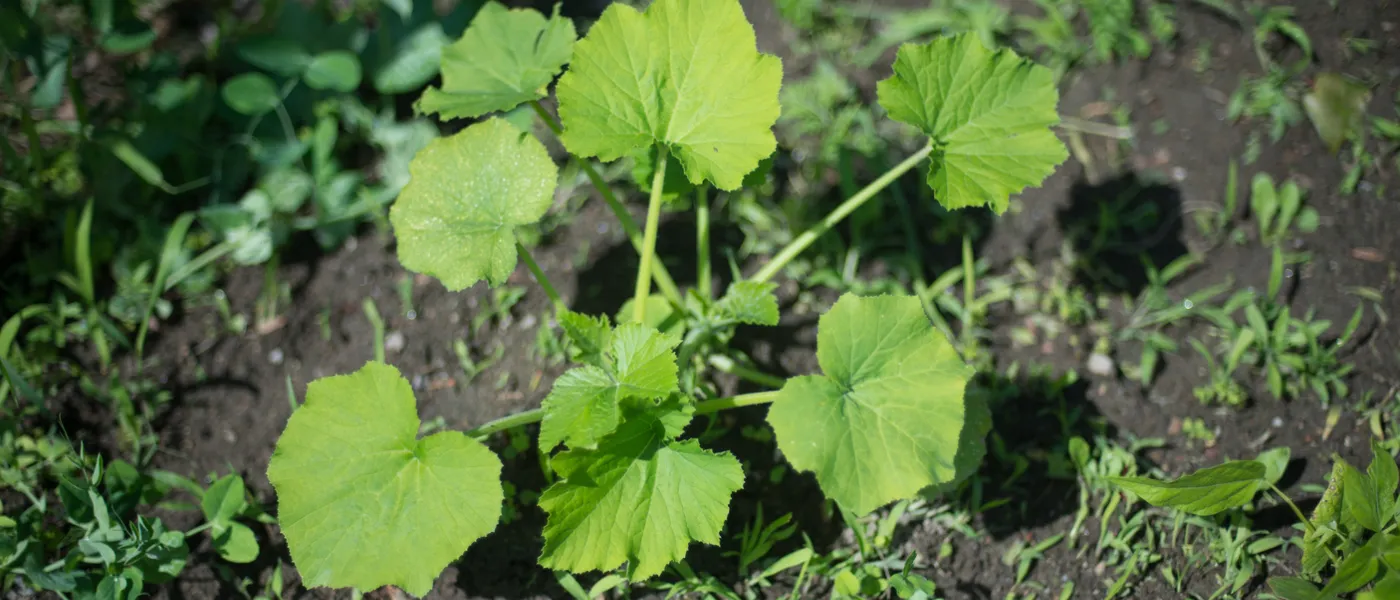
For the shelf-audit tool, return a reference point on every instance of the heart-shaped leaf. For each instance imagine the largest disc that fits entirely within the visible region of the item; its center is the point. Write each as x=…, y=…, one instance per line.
x=506, y=58
x=988, y=115
x=885, y=420
x=686, y=74
x=362, y=501
x=466, y=194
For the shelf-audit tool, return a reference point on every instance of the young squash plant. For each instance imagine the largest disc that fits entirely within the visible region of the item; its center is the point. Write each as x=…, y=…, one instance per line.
x=364, y=502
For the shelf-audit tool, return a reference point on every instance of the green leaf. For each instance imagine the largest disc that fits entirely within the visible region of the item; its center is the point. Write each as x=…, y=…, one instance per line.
x=686, y=74
x=251, y=94
x=456, y=218
x=235, y=543
x=1275, y=462
x=1205, y=492
x=1336, y=105
x=224, y=500
x=362, y=502
x=1386, y=477
x=1325, y=514
x=589, y=335
x=1359, y=495
x=414, y=61
x=1388, y=587
x=1357, y=569
x=275, y=54
x=336, y=70
x=750, y=302
x=972, y=440
x=884, y=422
x=1296, y=588
x=987, y=112
x=586, y=402
x=640, y=497
x=506, y=58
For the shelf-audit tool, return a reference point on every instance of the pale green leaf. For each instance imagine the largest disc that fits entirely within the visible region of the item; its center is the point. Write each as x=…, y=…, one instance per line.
x=585, y=403
x=224, y=500
x=988, y=115
x=506, y=58
x=1295, y=588
x=235, y=543
x=414, y=61
x=1205, y=492
x=1336, y=105
x=1275, y=462
x=972, y=440
x=750, y=302
x=685, y=74
x=362, y=501
x=456, y=218
x=639, y=497
x=251, y=94
x=885, y=420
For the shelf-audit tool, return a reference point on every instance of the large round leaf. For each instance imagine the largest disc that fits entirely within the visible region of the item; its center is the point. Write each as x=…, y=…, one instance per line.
x=456, y=218
x=886, y=419
x=362, y=501
x=686, y=74
x=987, y=113
x=507, y=57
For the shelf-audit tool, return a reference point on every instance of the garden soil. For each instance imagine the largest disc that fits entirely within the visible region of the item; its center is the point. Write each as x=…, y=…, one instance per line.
x=231, y=391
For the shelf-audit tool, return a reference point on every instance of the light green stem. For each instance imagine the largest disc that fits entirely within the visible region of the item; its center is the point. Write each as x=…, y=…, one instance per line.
x=376, y=322
x=643, y=288
x=801, y=243
x=528, y=417
x=702, y=243
x=969, y=292
x=727, y=365
x=624, y=218
x=539, y=274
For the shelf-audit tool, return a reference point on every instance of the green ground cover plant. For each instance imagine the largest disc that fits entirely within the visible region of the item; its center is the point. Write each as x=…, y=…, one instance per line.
x=681, y=85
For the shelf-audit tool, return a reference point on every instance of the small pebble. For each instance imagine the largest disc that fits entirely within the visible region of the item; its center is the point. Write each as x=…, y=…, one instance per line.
x=276, y=356
x=1277, y=422
x=528, y=322
x=393, y=342
x=1100, y=365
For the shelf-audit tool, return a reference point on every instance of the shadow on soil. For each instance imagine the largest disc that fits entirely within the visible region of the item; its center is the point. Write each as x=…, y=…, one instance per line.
x=1119, y=227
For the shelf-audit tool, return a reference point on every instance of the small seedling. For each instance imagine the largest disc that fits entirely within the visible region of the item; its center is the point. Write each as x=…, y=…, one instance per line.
x=1279, y=208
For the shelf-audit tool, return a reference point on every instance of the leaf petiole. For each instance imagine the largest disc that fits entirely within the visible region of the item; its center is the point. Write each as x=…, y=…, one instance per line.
x=702, y=243
x=624, y=219
x=539, y=275
x=727, y=365
x=643, y=289
x=531, y=417
x=801, y=242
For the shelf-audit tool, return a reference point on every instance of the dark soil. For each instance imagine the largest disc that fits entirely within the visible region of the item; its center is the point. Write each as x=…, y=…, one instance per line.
x=231, y=391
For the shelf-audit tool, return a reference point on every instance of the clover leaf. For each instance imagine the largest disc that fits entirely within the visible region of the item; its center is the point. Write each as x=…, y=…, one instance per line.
x=585, y=403
x=640, y=497
x=466, y=194
x=885, y=420
x=506, y=58
x=686, y=74
x=362, y=501
x=988, y=114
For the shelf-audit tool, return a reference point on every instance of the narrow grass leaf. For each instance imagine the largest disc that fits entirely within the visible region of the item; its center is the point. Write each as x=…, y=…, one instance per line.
x=886, y=418
x=1205, y=492
x=362, y=501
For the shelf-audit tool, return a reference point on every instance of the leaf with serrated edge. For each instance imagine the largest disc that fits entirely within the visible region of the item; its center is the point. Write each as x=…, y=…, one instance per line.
x=506, y=58
x=988, y=114
x=639, y=498
x=884, y=421
x=589, y=335
x=686, y=74
x=1205, y=492
x=751, y=302
x=456, y=218
x=585, y=402
x=362, y=501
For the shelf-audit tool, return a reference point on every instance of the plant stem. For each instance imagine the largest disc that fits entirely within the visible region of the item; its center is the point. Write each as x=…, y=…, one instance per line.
x=702, y=243
x=377, y=322
x=797, y=245
x=969, y=292
x=1307, y=523
x=540, y=277
x=727, y=365
x=643, y=289
x=624, y=218
x=528, y=417
x=742, y=400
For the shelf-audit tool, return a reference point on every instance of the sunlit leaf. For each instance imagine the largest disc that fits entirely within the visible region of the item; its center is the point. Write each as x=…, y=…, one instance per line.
x=988, y=115
x=685, y=74
x=362, y=501
x=456, y=218
x=885, y=420
x=1205, y=492
x=750, y=302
